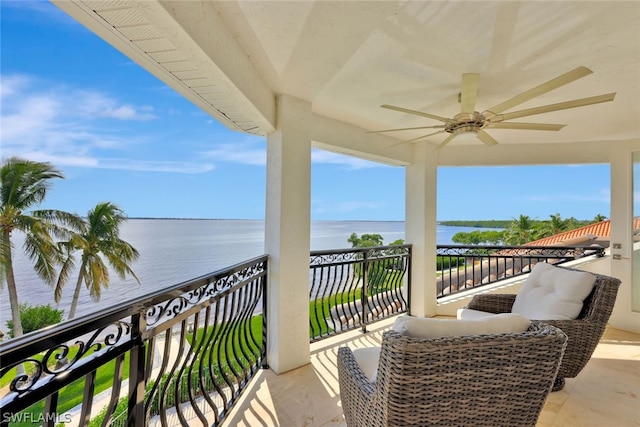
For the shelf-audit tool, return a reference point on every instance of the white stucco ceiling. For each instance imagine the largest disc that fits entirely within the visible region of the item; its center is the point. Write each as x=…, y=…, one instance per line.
x=346, y=58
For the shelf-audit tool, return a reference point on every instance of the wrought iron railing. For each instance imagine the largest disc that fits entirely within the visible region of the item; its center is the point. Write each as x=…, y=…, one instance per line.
x=467, y=267
x=185, y=354
x=353, y=287
x=180, y=356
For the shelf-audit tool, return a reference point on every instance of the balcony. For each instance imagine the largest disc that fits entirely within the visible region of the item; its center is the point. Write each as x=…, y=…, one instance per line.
x=192, y=354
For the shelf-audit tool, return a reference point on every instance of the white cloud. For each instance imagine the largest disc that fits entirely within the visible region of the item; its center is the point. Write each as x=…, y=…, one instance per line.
x=52, y=14
x=61, y=160
x=254, y=152
x=69, y=126
x=155, y=166
x=602, y=196
x=327, y=157
x=96, y=105
x=248, y=151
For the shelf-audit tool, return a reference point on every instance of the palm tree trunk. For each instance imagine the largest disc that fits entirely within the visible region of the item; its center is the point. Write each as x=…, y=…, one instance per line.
x=13, y=294
x=76, y=293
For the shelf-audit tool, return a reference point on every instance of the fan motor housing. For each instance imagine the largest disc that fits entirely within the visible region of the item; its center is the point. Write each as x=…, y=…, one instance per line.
x=466, y=122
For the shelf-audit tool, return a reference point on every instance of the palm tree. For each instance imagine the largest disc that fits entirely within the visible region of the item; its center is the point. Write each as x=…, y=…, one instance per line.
x=598, y=218
x=520, y=232
x=555, y=226
x=23, y=185
x=99, y=236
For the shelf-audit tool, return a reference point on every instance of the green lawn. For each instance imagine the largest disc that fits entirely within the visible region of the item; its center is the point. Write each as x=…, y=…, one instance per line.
x=71, y=395
x=320, y=309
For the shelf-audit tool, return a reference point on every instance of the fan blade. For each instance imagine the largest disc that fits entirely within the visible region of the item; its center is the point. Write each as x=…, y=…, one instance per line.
x=486, y=138
x=552, y=84
x=397, y=129
x=446, y=141
x=424, y=136
x=555, y=107
x=469, y=92
x=416, y=139
x=417, y=113
x=524, y=126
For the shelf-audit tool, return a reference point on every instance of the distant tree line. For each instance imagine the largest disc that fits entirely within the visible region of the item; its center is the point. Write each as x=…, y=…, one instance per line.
x=506, y=223
x=492, y=223
x=519, y=230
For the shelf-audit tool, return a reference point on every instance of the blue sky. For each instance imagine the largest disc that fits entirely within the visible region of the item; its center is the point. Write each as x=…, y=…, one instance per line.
x=118, y=134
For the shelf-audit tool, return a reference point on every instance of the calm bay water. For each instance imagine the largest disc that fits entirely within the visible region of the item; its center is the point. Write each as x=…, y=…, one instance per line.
x=172, y=251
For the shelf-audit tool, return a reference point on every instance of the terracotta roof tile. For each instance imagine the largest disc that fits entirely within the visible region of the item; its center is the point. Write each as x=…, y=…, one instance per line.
x=598, y=231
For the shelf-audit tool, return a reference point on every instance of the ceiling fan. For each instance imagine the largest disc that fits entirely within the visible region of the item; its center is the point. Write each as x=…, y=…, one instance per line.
x=471, y=121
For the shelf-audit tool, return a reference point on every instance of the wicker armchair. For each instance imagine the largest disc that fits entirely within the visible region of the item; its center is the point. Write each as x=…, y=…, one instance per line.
x=584, y=333
x=480, y=380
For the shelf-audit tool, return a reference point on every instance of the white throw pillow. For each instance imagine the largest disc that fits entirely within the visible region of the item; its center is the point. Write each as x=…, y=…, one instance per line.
x=367, y=358
x=552, y=293
x=435, y=328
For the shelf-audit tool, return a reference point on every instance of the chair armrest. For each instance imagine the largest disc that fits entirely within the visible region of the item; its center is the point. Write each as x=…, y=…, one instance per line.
x=353, y=372
x=583, y=337
x=356, y=391
x=493, y=303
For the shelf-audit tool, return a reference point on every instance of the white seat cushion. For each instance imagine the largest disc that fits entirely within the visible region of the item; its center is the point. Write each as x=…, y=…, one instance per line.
x=367, y=358
x=424, y=327
x=552, y=293
x=471, y=314
x=436, y=328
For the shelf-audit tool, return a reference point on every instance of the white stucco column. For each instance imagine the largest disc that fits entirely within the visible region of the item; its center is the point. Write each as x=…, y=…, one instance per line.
x=421, y=227
x=287, y=235
x=621, y=259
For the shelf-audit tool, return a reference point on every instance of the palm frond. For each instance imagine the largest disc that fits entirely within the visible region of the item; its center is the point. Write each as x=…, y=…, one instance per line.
x=65, y=272
x=43, y=251
x=24, y=183
x=62, y=224
x=96, y=276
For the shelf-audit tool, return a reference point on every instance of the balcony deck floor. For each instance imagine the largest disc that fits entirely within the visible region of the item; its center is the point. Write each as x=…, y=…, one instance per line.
x=605, y=393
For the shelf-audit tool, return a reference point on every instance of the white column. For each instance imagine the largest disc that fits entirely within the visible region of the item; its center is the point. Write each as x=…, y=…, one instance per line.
x=287, y=235
x=421, y=227
x=623, y=316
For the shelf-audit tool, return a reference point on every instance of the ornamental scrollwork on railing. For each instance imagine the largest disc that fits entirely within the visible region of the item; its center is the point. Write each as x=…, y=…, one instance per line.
x=64, y=356
x=464, y=251
x=22, y=381
x=390, y=251
x=519, y=251
x=174, y=306
x=339, y=257
x=228, y=281
x=170, y=308
x=198, y=295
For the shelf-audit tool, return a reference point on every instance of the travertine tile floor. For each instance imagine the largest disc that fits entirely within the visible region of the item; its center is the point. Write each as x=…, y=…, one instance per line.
x=605, y=394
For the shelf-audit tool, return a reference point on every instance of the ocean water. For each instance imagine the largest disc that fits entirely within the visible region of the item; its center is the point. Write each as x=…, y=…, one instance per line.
x=176, y=250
